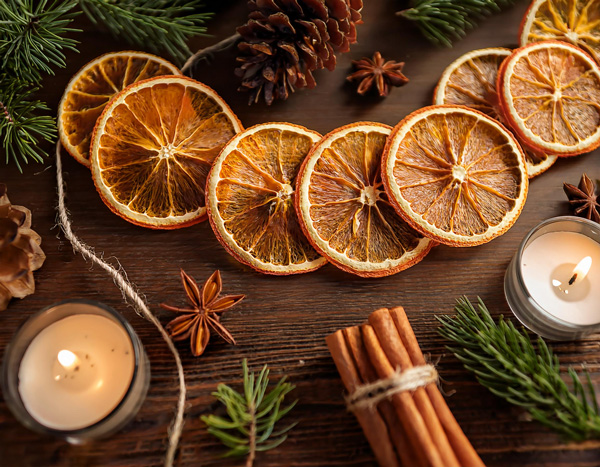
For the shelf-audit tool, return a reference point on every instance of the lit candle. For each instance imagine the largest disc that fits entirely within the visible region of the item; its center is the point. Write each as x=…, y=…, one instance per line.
x=78, y=369
x=549, y=282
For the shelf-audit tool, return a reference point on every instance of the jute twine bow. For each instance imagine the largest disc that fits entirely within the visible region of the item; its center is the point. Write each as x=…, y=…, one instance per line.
x=369, y=395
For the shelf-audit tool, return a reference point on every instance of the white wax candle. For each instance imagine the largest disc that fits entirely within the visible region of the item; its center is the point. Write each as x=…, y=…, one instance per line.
x=548, y=265
x=87, y=381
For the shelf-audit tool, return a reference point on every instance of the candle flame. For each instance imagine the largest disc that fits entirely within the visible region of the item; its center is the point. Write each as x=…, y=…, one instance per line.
x=581, y=270
x=67, y=358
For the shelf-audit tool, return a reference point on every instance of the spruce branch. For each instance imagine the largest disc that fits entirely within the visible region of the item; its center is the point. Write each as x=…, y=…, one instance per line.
x=21, y=125
x=253, y=415
x=442, y=21
x=505, y=361
x=160, y=25
x=32, y=39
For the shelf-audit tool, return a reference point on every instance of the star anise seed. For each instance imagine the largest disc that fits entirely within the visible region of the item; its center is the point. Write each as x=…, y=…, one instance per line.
x=377, y=73
x=583, y=198
x=196, y=322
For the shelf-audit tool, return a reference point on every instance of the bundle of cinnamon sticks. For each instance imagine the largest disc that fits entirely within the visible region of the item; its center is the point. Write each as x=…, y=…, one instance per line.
x=411, y=428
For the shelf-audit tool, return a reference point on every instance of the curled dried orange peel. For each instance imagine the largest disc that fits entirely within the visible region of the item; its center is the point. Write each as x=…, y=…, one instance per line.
x=249, y=195
x=574, y=21
x=471, y=81
x=92, y=87
x=455, y=175
x=549, y=93
x=152, y=149
x=343, y=208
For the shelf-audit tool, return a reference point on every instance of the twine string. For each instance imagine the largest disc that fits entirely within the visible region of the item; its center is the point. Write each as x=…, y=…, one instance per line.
x=369, y=395
x=129, y=294
x=208, y=51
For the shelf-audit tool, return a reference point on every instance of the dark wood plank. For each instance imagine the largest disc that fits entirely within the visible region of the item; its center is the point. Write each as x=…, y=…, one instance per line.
x=283, y=321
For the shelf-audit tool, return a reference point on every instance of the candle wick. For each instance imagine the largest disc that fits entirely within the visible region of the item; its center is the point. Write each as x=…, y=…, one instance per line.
x=573, y=279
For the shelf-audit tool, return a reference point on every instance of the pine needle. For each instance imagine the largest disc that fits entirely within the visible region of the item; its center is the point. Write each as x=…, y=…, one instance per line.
x=32, y=39
x=504, y=360
x=252, y=415
x=160, y=25
x=442, y=21
x=21, y=125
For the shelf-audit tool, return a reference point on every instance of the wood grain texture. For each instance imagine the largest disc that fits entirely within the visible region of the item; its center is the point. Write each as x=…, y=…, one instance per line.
x=284, y=321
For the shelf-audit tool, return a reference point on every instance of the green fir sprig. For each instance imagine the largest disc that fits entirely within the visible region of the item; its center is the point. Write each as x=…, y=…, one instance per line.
x=252, y=415
x=21, y=124
x=33, y=37
x=442, y=21
x=505, y=361
x=159, y=25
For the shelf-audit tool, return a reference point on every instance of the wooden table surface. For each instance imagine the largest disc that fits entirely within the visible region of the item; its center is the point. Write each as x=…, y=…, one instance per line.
x=284, y=320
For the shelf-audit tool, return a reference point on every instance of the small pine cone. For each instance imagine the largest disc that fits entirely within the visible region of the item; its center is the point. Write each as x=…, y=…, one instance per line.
x=20, y=251
x=284, y=41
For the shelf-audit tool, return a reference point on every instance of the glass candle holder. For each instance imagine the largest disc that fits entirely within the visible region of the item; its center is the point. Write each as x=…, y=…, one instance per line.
x=552, y=283
x=76, y=370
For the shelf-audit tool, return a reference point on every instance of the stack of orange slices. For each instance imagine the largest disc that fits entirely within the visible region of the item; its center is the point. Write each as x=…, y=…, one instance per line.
x=92, y=87
x=344, y=210
x=471, y=81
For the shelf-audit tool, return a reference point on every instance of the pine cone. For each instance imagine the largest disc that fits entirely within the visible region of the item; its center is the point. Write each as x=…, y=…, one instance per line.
x=284, y=41
x=20, y=251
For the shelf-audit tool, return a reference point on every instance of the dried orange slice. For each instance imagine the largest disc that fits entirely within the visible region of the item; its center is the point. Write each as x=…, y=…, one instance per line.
x=249, y=198
x=93, y=87
x=343, y=208
x=549, y=94
x=153, y=146
x=471, y=81
x=455, y=175
x=574, y=21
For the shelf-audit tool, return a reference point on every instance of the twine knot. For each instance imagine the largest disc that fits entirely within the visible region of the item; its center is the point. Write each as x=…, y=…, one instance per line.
x=369, y=395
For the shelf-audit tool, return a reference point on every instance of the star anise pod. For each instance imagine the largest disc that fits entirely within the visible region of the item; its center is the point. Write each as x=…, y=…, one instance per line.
x=377, y=73
x=197, y=322
x=584, y=199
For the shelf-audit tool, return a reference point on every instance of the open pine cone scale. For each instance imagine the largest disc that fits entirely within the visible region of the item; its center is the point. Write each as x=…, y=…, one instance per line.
x=20, y=251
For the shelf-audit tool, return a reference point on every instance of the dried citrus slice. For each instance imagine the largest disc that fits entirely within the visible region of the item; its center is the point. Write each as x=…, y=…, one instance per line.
x=153, y=146
x=249, y=198
x=471, y=81
x=455, y=175
x=344, y=211
x=93, y=87
x=574, y=21
x=549, y=94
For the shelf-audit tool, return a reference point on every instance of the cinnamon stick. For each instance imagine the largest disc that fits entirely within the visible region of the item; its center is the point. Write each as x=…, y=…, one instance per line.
x=392, y=344
x=404, y=448
x=371, y=422
x=463, y=449
x=405, y=406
